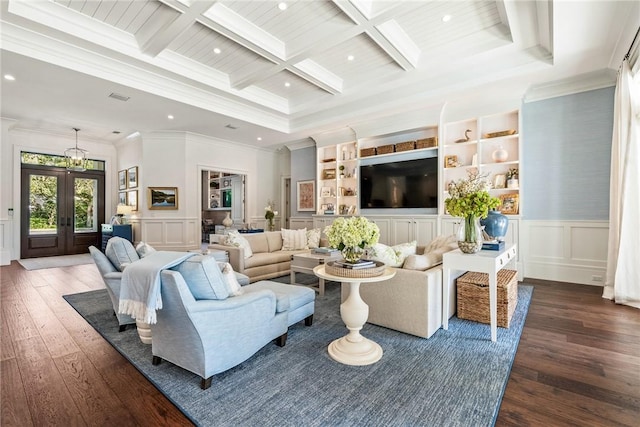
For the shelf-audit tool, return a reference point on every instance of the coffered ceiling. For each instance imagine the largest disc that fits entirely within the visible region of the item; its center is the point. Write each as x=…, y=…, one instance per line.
x=284, y=71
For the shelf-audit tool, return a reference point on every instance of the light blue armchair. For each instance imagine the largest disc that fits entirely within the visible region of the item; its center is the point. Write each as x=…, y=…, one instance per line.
x=209, y=336
x=112, y=278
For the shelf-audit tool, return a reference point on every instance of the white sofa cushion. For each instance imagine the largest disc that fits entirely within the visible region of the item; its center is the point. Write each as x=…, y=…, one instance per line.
x=203, y=277
x=120, y=252
x=313, y=238
x=293, y=240
x=393, y=256
x=235, y=239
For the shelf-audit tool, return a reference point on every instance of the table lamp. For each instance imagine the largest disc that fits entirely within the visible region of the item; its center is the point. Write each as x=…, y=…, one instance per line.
x=123, y=211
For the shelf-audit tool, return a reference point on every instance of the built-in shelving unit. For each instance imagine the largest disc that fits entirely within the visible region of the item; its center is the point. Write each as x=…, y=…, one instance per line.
x=489, y=145
x=337, y=179
x=218, y=190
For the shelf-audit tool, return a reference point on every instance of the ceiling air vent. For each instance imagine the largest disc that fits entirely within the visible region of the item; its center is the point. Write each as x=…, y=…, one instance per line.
x=231, y=127
x=119, y=97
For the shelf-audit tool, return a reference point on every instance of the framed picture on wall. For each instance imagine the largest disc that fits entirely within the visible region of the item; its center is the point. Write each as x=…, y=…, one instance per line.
x=122, y=198
x=306, y=195
x=132, y=199
x=122, y=180
x=132, y=177
x=163, y=198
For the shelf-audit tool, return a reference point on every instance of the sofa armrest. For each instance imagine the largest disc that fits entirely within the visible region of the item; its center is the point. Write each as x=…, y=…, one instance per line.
x=236, y=256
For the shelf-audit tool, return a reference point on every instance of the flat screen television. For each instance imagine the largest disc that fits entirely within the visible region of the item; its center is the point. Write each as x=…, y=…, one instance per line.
x=400, y=185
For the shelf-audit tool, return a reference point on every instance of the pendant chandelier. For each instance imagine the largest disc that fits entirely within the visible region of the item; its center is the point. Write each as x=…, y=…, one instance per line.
x=76, y=158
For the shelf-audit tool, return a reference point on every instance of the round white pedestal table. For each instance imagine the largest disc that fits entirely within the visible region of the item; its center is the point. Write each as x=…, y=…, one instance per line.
x=354, y=349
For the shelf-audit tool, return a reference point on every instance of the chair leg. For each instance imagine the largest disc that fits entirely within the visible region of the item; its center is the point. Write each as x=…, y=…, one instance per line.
x=281, y=340
x=122, y=328
x=205, y=383
x=156, y=360
x=308, y=321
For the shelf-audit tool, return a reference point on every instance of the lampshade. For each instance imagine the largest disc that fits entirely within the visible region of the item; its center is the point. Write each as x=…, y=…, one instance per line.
x=76, y=158
x=124, y=210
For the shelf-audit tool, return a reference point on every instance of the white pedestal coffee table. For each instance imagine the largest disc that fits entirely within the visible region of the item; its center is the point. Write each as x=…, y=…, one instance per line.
x=353, y=348
x=305, y=263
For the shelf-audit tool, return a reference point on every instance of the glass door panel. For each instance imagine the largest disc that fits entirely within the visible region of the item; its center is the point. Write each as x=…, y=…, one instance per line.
x=43, y=205
x=85, y=205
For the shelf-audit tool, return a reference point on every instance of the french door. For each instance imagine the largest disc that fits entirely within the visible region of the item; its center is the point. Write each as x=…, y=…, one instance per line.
x=61, y=211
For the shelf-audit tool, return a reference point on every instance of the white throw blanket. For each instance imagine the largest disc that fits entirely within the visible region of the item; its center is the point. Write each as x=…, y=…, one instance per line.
x=140, y=287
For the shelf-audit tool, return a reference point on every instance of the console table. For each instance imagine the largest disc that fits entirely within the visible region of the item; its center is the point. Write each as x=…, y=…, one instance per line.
x=354, y=349
x=483, y=262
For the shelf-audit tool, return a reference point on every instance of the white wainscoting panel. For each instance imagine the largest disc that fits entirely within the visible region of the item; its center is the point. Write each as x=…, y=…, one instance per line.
x=171, y=233
x=565, y=251
x=301, y=222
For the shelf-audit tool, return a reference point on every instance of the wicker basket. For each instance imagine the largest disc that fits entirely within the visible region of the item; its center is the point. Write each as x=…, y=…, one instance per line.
x=331, y=268
x=385, y=149
x=366, y=152
x=427, y=142
x=405, y=146
x=473, y=296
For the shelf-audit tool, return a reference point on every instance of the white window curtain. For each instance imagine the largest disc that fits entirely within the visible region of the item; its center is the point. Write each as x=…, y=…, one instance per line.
x=622, y=282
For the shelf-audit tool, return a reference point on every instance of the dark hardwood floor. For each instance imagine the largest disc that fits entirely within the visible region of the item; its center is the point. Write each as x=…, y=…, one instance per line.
x=578, y=362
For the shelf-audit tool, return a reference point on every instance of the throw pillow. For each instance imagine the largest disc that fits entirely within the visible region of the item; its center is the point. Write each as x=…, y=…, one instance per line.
x=313, y=238
x=293, y=240
x=233, y=287
x=203, y=277
x=143, y=249
x=433, y=256
x=235, y=239
x=120, y=252
x=393, y=256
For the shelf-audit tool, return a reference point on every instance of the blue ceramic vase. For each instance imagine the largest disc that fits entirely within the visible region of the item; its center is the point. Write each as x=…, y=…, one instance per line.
x=495, y=225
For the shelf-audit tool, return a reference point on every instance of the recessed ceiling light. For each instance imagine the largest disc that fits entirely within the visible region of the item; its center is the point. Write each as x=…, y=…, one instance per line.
x=282, y=6
x=446, y=18
x=350, y=58
x=9, y=77
x=259, y=139
x=217, y=50
x=170, y=117
x=287, y=84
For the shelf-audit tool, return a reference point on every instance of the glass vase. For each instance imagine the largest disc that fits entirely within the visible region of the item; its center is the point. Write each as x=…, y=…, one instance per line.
x=470, y=235
x=352, y=254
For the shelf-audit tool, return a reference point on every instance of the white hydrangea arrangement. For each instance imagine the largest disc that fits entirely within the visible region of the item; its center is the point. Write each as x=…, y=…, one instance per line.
x=352, y=235
x=470, y=197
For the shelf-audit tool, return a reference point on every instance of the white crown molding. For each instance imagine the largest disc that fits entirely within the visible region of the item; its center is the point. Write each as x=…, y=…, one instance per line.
x=336, y=136
x=589, y=81
x=299, y=145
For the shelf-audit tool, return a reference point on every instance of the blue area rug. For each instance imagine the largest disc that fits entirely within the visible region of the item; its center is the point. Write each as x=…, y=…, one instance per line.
x=455, y=378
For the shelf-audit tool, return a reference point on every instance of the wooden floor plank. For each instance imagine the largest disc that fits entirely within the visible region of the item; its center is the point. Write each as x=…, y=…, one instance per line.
x=15, y=408
x=49, y=400
x=575, y=363
x=92, y=395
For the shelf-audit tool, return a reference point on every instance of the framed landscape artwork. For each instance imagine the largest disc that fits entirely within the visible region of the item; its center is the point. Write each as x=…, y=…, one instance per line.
x=307, y=195
x=132, y=177
x=132, y=199
x=122, y=180
x=163, y=198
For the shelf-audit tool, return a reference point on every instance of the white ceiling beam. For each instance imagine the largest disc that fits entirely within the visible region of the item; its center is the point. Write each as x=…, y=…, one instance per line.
x=320, y=76
x=395, y=52
x=153, y=38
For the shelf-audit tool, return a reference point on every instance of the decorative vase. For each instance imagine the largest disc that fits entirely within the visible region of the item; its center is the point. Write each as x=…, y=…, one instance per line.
x=227, y=221
x=513, y=183
x=271, y=226
x=470, y=235
x=500, y=155
x=352, y=254
x=495, y=225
